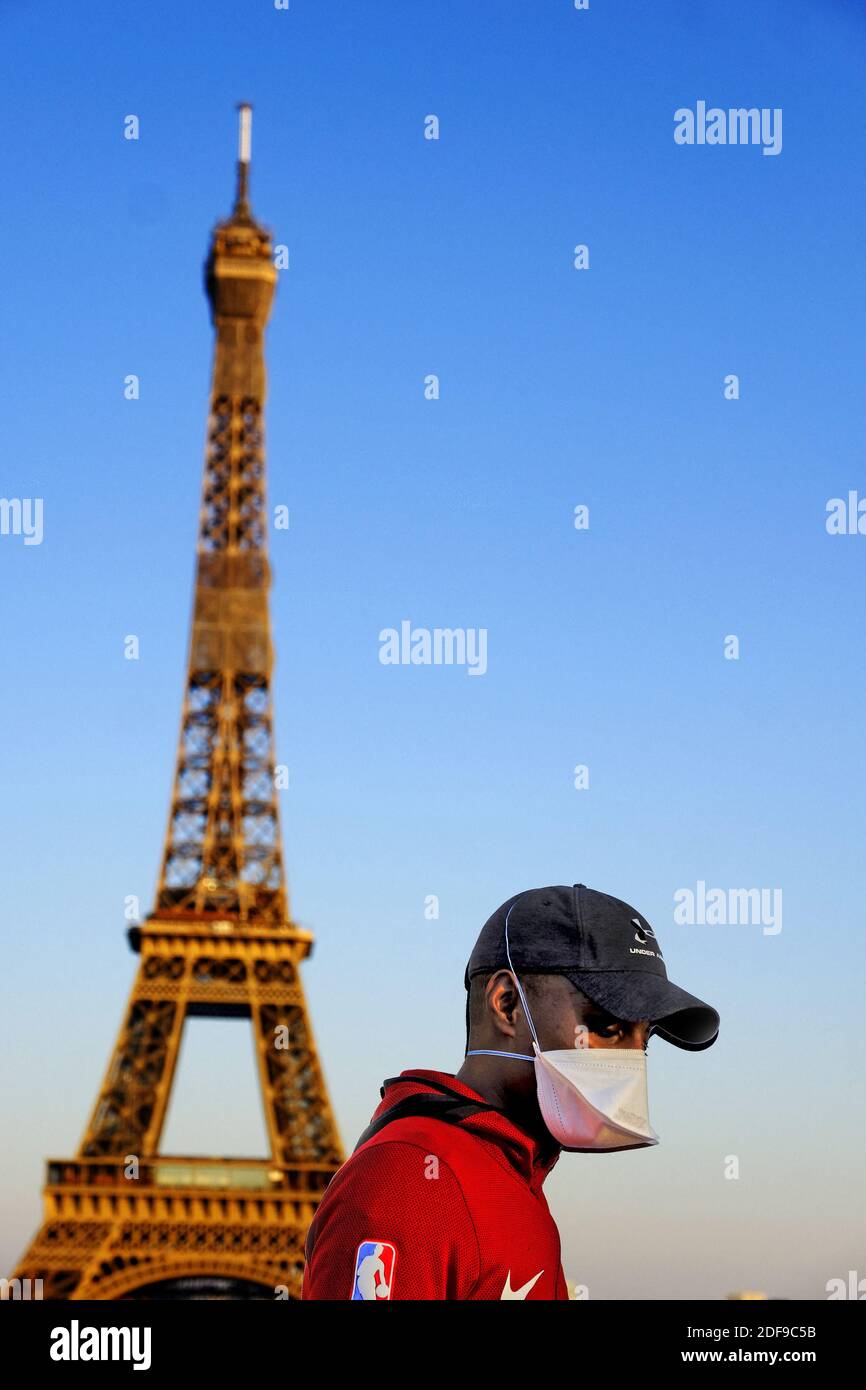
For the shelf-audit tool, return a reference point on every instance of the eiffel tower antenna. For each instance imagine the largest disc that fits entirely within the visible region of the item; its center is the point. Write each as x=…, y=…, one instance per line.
x=245, y=151
x=121, y=1219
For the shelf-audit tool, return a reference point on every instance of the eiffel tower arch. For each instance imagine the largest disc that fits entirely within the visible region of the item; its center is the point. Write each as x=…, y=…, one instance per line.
x=121, y=1220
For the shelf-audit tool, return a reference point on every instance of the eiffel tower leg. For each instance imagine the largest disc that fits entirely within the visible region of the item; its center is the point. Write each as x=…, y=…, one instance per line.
x=300, y=1122
x=130, y=1110
x=124, y=1125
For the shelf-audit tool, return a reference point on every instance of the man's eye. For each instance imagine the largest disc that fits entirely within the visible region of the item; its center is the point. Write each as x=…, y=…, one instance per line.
x=606, y=1030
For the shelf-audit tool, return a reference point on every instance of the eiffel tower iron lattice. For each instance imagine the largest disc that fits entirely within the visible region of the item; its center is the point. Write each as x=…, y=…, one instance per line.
x=120, y=1220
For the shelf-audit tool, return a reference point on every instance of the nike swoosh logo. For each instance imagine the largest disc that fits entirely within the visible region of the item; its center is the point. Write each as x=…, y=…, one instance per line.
x=509, y=1292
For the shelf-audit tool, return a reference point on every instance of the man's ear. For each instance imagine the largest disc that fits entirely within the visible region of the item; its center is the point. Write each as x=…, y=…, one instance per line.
x=502, y=1001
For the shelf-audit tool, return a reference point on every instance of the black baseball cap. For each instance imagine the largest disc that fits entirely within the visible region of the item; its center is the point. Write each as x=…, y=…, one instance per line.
x=604, y=947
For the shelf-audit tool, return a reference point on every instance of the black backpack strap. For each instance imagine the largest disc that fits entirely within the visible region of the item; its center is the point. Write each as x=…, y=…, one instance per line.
x=450, y=1107
x=422, y=1081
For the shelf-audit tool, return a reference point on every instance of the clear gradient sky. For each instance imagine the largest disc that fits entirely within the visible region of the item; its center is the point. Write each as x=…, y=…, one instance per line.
x=605, y=647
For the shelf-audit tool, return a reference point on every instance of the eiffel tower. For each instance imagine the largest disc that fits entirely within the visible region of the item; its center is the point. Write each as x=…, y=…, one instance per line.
x=121, y=1220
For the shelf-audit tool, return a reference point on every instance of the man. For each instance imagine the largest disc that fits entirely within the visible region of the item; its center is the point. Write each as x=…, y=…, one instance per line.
x=442, y=1198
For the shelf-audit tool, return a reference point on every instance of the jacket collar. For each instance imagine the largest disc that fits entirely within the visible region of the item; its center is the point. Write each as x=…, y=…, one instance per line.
x=493, y=1127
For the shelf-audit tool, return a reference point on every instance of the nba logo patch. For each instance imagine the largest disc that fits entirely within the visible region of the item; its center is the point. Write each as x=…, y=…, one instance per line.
x=374, y=1270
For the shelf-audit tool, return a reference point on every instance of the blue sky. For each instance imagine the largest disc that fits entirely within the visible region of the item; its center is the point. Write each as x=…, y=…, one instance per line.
x=605, y=647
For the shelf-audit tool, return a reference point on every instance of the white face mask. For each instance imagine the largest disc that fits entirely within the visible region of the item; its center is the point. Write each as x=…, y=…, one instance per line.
x=592, y=1099
x=595, y=1098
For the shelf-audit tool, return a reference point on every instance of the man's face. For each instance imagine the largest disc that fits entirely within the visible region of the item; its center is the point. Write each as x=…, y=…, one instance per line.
x=563, y=1015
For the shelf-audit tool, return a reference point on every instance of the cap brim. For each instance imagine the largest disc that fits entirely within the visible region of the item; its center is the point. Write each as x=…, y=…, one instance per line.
x=678, y=1017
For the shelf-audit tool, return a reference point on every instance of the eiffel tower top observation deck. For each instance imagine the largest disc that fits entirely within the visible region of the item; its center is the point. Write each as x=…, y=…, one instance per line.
x=222, y=860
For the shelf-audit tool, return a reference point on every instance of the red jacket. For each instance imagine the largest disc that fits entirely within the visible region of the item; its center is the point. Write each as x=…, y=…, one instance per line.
x=430, y=1210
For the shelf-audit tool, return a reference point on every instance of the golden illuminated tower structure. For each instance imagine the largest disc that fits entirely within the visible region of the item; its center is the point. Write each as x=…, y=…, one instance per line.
x=120, y=1219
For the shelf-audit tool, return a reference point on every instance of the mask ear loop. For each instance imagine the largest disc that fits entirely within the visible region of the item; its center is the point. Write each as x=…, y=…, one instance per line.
x=517, y=982
x=491, y=1052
